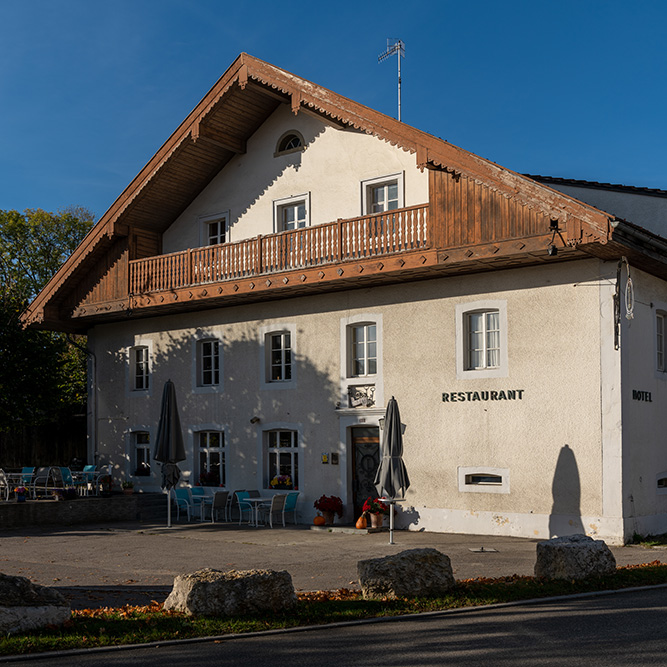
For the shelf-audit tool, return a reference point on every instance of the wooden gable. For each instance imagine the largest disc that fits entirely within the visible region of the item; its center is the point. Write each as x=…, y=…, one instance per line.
x=479, y=215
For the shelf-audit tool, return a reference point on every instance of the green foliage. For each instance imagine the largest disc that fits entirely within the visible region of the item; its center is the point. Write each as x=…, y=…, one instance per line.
x=42, y=375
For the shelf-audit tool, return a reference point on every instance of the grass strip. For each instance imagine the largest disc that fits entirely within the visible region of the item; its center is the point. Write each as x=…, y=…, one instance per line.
x=136, y=625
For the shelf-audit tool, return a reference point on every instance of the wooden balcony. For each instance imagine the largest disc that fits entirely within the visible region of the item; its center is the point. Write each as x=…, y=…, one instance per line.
x=367, y=237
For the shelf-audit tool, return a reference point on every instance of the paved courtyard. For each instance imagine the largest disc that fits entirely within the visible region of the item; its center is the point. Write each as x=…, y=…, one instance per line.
x=129, y=562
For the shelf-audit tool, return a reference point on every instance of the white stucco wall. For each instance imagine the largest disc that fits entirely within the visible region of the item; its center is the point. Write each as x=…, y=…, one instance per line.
x=330, y=171
x=644, y=415
x=553, y=443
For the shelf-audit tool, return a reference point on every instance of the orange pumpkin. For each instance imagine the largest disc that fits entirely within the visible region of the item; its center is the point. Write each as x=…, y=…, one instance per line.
x=318, y=520
x=361, y=522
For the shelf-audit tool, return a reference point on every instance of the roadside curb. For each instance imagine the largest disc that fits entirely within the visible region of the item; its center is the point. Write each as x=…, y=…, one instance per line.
x=308, y=628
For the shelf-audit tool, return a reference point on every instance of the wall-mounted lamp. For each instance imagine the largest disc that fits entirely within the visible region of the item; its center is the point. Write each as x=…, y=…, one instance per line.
x=552, y=250
x=254, y=420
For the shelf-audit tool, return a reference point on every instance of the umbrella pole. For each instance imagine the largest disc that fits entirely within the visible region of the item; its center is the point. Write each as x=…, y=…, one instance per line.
x=391, y=523
x=168, y=508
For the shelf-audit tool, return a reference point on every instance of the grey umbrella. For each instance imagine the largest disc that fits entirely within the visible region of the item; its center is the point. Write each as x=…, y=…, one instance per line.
x=169, y=448
x=391, y=480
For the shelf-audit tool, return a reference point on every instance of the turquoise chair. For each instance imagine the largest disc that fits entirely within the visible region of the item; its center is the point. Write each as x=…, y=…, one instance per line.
x=183, y=500
x=290, y=505
x=241, y=496
x=26, y=476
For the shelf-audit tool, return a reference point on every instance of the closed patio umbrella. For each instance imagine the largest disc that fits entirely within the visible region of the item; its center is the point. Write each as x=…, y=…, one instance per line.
x=391, y=480
x=169, y=448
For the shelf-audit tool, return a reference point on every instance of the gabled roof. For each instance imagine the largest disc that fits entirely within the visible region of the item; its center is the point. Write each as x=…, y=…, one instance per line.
x=219, y=127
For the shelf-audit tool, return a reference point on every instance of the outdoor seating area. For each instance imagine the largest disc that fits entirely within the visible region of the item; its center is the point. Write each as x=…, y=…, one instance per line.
x=54, y=482
x=248, y=506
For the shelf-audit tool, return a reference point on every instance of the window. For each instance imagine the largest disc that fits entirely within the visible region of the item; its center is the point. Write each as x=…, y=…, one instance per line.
x=217, y=232
x=383, y=197
x=282, y=458
x=291, y=213
x=290, y=142
x=213, y=229
x=660, y=341
x=483, y=480
x=481, y=340
x=208, y=363
x=212, y=470
x=280, y=356
x=363, y=350
x=292, y=216
x=382, y=194
x=142, y=453
x=140, y=368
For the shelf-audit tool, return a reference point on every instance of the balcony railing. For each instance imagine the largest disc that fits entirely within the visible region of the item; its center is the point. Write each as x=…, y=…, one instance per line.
x=401, y=230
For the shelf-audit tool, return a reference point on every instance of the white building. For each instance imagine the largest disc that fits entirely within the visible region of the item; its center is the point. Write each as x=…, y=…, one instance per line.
x=292, y=259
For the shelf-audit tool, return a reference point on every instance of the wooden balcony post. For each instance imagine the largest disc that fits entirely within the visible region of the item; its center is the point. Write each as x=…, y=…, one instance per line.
x=189, y=267
x=340, y=239
x=258, y=261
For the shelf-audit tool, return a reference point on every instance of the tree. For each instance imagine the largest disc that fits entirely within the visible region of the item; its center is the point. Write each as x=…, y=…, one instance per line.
x=42, y=373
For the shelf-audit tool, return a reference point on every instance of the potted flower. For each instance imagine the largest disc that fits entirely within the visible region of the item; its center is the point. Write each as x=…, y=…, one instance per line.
x=377, y=509
x=209, y=478
x=128, y=486
x=329, y=505
x=20, y=492
x=281, y=482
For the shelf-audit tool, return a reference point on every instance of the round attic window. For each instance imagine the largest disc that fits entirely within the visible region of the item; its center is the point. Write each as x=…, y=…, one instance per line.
x=290, y=142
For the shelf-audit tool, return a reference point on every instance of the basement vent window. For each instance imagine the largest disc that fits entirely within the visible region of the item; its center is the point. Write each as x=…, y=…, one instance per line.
x=486, y=479
x=662, y=483
x=290, y=142
x=482, y=479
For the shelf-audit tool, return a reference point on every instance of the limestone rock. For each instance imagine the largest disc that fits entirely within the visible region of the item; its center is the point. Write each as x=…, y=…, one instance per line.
x=27, y=606
x=573, y=557
x=210, y=592
x=411, y=573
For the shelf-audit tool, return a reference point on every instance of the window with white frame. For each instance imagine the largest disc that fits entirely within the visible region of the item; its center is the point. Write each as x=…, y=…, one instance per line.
x=208, y=362
x=382, y=194
x=660, y=341
x=282, y=459
x=279, y=348
x=142, y=453
x=211, y=452
x=363, y=349
x=291, y=213
x=214, y=229
x=290, y=142
x=481, y=340
x=140, y=367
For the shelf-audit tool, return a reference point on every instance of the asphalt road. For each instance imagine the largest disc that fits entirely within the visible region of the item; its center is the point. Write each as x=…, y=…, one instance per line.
x=628, y=628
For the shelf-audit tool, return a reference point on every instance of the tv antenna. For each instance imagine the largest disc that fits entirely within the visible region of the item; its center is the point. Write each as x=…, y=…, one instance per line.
x=395, y=46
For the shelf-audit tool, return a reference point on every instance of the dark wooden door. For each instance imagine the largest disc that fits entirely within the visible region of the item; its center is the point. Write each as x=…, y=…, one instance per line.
x=365, y=462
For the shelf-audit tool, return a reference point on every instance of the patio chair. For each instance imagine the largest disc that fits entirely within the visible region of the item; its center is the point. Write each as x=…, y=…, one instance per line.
x=26, y=475
x=290, y=506
x=183, y=500
x=219, y=505
x=69, y=482
x=42, y=481
x=4, y=485
x=232, y=503
x=244, y=506
x=197, y=495
x=274, y=508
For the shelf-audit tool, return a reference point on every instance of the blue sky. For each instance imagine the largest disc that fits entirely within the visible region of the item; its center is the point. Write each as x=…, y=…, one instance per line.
x=89, y=90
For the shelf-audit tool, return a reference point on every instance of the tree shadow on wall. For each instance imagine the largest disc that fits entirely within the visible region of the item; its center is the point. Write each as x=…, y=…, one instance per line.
x=241, y=397
x=565, y=517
